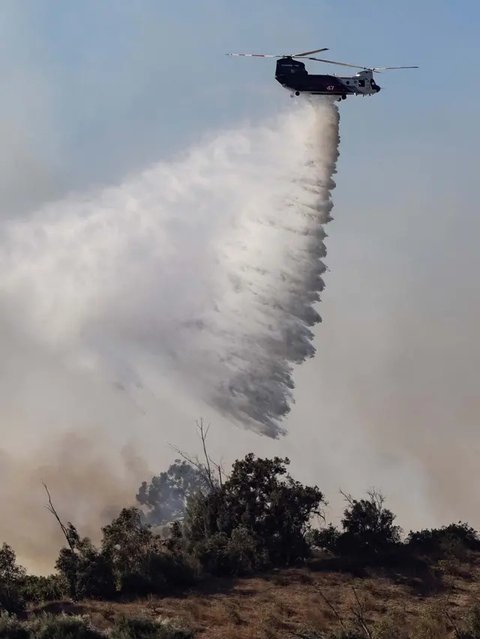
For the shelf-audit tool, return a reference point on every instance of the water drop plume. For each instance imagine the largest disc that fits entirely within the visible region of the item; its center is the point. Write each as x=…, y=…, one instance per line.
x=202, y=273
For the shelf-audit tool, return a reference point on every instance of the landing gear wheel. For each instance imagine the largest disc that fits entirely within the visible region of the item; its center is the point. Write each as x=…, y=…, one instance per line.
x=344, y=97
x=297, y=93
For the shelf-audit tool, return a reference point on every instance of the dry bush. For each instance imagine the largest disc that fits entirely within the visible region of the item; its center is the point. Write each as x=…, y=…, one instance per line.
x=430, y=625
x=392, y=626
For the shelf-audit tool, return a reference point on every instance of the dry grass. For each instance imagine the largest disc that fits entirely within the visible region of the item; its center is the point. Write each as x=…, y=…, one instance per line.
x=279, y=605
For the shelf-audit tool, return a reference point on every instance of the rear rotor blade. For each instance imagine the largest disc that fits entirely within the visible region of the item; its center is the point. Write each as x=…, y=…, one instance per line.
x=301, y=55
x=388, y=68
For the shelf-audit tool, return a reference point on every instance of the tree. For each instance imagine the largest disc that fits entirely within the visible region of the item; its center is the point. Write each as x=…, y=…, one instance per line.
x=141, y=561
x=11, y=578
x=166, y=496
x=87, y=571
x=368, y=527
x=259, y=511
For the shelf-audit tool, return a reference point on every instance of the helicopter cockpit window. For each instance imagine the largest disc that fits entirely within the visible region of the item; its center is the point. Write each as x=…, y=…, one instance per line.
x=372, y=83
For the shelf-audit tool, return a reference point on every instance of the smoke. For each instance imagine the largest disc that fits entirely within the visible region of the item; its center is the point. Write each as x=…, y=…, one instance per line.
x=202, y=272
x=89, y=485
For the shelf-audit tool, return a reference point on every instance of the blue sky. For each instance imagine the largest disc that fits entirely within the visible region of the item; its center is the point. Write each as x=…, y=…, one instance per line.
x=129, y=82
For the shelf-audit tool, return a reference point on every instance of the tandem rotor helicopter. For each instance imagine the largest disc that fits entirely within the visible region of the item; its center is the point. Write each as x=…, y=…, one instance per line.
x=292, y=75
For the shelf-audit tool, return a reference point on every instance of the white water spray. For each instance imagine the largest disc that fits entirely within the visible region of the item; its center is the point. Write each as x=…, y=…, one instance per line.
x=205, y=270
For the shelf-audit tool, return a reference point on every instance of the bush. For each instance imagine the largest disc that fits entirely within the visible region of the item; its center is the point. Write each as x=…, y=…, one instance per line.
x=11, y=598
x=325, y=538
x=36, y=589
x=63, y=627
x=87, y=572
x=11, y=628
x=392, y=626
x=140, y=628
x=368, y=526
x=156, y=572
x=142, y=563
x=212, y=554
x=236, y=554
x=471, y=626
x=431, y=625
x=11, y=576
x=367, y=529
x=451, y=540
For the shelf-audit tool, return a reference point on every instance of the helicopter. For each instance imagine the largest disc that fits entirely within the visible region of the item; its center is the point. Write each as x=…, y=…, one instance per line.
x=292, y=75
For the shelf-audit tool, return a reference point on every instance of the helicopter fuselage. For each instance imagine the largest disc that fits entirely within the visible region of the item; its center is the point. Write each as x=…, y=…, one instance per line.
x=293, y=76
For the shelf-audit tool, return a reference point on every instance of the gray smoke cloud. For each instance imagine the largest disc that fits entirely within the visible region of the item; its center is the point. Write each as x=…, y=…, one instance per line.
x=205, y=270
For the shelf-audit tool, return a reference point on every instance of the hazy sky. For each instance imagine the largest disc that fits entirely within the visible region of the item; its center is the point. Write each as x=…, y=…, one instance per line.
x=94, y=91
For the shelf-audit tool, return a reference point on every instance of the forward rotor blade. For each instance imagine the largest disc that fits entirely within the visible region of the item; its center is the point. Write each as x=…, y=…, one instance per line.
x=342, y=64
x=255, y=55
x=301, y=55
x=388, y=68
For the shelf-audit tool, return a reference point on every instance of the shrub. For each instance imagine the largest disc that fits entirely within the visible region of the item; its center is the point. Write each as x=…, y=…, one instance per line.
x=453, y=539
x=391, y=627
x=12, y=628
x=471, y=626
x=221, y=554
x=87, y=572
x=431, y=625
x=367, y=528
x=63, y=627
x=141, y=562
x=325, y=538
x=11, y=576
x=140, y=628
x=36, y=589
x=11, y=598
x=212, y=555
x=242, y=551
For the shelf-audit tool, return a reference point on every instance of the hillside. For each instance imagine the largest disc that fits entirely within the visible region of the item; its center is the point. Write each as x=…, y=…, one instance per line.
x=417, y=602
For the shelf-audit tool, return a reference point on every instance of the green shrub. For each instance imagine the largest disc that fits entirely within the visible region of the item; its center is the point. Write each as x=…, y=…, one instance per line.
x=12, y=628
x=212, y=554
x=141, y=628
x=140, y=560
x=221, y=554
x=471, y=626
x=11, y=577
x=36, y=589
x=453, y=539
x=326, y=538
x=87, y=571
x=63, y=627
x=11, y=598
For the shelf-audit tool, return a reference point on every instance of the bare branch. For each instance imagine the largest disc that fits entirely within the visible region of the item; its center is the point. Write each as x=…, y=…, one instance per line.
x=51, y=509
x=203, y=432
x=452, y=623
x=360, y=616
x=332, y=608
x=204, y=468
x=348, y=498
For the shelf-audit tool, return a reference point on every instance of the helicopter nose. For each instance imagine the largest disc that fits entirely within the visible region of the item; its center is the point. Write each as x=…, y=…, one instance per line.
x=377, y=88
